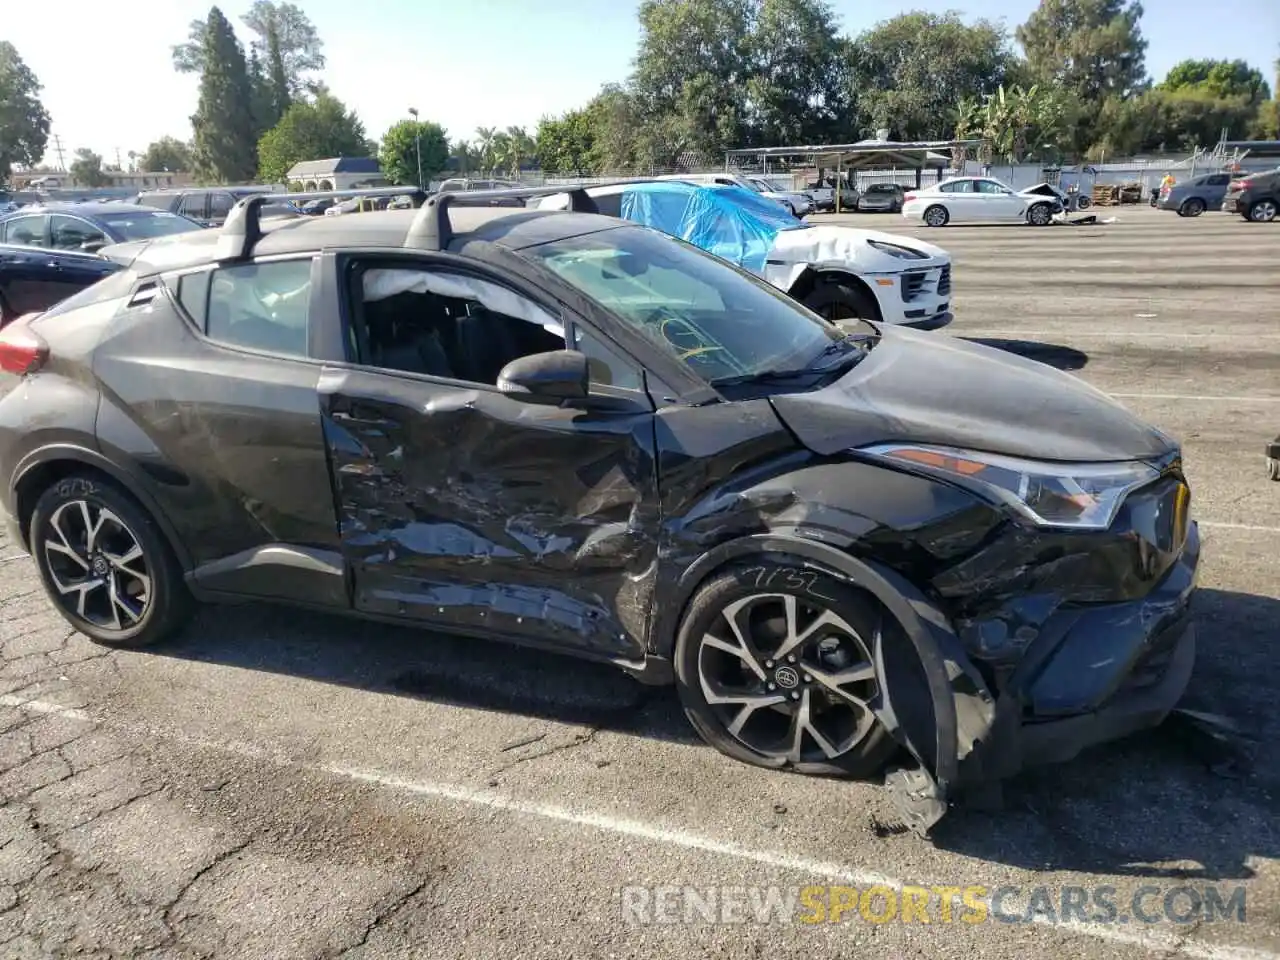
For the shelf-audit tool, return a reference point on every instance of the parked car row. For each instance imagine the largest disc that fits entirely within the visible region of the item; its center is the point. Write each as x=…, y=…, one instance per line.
x=568, y=430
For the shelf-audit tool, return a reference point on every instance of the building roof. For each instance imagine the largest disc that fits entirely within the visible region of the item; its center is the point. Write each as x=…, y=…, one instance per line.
x=325, y=168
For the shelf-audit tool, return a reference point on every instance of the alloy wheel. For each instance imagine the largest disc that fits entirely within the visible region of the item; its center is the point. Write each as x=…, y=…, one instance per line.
x=1264, y=211
x=789, y=678
x=97, y=566
x=1040, y=215
x=935, y=217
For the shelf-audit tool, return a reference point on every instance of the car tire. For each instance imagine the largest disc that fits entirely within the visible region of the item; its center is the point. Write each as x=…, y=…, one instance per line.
x=5, y=313
x=751, y=712
x=835, y=300
x=1083, y=203
x=937, y=216
x=1264, y=211
x=1273, y=468
x=1040, y=215
x=106, y=565
x=1192, y=207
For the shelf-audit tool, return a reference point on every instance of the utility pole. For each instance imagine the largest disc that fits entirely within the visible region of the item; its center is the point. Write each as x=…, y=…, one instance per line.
x=57, y=148
x=119, y=165
x=417, y=143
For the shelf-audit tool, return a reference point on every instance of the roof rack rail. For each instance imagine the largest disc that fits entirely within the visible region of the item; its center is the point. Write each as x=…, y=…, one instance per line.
x=242, y=229
x=432, y=231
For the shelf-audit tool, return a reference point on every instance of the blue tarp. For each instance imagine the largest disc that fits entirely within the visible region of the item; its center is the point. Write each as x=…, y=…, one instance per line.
x=734, y=224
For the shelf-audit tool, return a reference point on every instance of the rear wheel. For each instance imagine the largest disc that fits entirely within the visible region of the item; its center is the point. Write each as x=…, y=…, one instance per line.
x=783, y=675
x=105, y=564
x=836, y=301
x=1273, y=468
x=1083, y=202
x=1191, y=208
x=937, y=216
x=1263, y=211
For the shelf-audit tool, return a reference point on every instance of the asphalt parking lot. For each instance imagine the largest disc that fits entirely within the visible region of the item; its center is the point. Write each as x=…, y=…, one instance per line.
x=282, y=785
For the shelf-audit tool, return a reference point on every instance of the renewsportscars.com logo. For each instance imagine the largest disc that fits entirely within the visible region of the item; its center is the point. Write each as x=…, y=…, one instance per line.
x=1103, y=904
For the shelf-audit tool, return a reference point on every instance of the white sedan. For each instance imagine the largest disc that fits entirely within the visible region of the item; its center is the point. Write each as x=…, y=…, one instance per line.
x=842, y=273
x=977, y=200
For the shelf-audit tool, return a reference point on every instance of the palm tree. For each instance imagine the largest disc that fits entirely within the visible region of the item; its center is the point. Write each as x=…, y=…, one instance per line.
x=484, y=144
x=518, y=146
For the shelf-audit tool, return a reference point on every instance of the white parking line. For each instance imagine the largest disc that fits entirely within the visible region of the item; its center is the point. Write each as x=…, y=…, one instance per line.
x=1119, y=334
x=1254, y=527
x=1198, y=398
x=1150, y=940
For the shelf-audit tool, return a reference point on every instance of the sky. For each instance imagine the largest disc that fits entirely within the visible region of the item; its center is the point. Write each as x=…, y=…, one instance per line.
x=109, y=82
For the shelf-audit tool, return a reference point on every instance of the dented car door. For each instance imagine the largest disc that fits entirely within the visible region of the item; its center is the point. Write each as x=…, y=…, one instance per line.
x=462, y=506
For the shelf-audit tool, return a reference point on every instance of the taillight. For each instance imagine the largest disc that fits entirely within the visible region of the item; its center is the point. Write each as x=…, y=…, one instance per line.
x=22, y=350
x=1241, y=185
x=908, y=196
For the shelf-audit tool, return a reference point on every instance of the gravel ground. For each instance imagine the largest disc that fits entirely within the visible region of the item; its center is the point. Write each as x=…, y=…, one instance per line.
x=286, y=785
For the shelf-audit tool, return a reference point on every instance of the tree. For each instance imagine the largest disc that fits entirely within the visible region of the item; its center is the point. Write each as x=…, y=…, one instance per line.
x=800, y=90
x=485, y=137
x=691, y=74
x=223, y=122
x=398, y=155
x=566, y=143
x=912, y=70
x=86, y=169
x=1223, y=79
x=167, y=154
x=24, y=122
x=285, y=41
x=310, y=131
x=516, y=147
x=1017, y=122
x=1092, y=49
x=464, y=155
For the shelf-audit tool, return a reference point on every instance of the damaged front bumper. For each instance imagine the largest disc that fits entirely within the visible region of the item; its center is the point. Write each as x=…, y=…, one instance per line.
x=1094, y=673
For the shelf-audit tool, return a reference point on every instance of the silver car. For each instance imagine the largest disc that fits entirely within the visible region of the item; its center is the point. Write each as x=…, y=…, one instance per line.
x=881, y=198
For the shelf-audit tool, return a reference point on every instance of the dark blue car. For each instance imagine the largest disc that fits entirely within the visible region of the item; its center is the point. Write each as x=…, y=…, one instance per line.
x=49, y=252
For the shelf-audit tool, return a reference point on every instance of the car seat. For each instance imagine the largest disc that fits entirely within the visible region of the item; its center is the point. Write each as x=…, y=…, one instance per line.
x=486, y=344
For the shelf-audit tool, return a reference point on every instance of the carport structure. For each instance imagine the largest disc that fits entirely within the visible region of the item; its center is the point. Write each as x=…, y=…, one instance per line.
x=917, y=155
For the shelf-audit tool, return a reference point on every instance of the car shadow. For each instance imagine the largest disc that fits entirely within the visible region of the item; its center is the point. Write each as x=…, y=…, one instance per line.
x=1165, y=803
x=426, y=665
x=1170, y=803
x=1053, y=354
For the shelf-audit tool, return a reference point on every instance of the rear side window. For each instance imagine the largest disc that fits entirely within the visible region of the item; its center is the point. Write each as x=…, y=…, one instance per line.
x=192, y=206
x=219, y=205
x=260, y=306
x=959, y=186
x=28, y=231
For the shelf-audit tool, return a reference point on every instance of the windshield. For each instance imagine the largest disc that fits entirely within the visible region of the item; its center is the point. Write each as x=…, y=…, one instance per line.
x=141, y=224
x=719, y=320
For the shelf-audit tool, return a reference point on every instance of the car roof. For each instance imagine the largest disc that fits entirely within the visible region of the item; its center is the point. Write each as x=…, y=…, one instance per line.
x=515, y=228
x=90, y=209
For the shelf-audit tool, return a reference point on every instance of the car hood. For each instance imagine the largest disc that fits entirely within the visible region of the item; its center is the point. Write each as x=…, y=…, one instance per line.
x=829, y=243
x=929, y=388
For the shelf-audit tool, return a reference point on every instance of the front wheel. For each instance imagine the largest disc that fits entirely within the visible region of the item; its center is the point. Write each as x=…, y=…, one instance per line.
x=1273, y=468
x=105, y=564
x=775, y=666
x=835, y=301
x=1263, y=211
x=1083, y=203
x=937, y=216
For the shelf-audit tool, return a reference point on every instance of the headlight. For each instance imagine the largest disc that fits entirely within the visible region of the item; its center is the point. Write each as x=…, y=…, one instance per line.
x=893, y=250
x=1077, y=496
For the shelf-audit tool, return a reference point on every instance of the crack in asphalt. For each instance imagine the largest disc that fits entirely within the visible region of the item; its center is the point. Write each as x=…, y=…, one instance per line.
x=579, y=739
x=385, y=913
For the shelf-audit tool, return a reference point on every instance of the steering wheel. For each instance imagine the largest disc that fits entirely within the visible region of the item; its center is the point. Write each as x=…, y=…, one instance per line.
x=688, y=341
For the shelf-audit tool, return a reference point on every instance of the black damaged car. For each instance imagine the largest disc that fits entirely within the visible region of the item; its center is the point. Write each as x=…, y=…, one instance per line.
x=561, y=429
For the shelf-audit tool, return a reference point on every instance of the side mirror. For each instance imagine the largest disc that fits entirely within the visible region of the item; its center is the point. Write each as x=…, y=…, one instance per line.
x=546, y=377
x=93, y=246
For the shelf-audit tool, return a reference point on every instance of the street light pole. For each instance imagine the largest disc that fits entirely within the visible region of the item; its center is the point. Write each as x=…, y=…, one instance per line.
x=417, y=143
